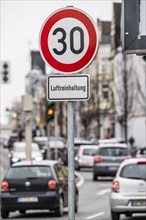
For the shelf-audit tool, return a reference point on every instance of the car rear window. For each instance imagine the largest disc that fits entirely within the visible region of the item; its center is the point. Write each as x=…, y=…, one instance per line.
x=134, y=171
x=89, y=151
x=113, y=151
x=29, y=172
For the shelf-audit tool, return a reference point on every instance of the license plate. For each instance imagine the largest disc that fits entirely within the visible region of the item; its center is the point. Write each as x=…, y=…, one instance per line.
x=139, y=203
x=27, y=199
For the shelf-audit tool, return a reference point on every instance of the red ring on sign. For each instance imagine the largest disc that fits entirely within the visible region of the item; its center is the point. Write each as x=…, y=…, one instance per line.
x=92, y=47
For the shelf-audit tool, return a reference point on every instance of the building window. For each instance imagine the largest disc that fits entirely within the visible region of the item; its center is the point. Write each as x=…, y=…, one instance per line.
x=105, y=65
x=105, y=91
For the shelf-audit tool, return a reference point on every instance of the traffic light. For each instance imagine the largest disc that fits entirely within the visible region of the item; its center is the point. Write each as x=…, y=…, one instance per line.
x=5, y=72
x=50, y=111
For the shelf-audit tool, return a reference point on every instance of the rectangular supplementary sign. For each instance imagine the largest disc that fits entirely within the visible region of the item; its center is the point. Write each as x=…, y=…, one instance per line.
x=68, y=87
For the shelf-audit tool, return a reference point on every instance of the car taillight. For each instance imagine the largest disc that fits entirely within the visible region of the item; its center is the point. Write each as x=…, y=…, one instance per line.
x=141, y=162
x=52, y=184
x=98, y=159
x=4, y=186
x=115, y=186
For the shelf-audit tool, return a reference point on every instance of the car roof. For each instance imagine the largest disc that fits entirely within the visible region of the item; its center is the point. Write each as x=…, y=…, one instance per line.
x=132, y=161
x=113, y=145
x=23, y=144
x=40, y=138
x=111, y=140
x=89, y=146
x=33, y=162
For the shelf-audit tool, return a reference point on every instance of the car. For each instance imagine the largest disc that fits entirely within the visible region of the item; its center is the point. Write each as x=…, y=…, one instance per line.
x=42, y=141
x=80, y=141
x=128, y=193
x=18, y=153
x=58, y=149
x=141, y=152
x=108, y=158
x=36, y=185
x=85, y=156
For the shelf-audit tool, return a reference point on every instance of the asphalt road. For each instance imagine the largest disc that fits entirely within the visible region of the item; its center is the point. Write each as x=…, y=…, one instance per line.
x=93, y=199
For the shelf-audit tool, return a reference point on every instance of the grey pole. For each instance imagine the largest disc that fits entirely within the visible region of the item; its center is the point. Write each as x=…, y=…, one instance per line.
x=71, y=180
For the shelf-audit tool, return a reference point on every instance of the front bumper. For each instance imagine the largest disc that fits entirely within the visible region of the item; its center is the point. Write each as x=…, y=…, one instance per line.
x=46, y=200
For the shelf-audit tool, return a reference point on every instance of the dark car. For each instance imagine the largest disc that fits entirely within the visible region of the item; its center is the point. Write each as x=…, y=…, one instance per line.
x=33, y=185
x=141, y=152
x=108, y=159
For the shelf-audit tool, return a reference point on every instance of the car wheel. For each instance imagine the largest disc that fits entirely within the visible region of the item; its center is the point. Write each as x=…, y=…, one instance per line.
x=94, y=177
x=59, y=210
x=22, y=212
x=4, y=214
x=128, y=214
x=76, y=204
x=115, y=215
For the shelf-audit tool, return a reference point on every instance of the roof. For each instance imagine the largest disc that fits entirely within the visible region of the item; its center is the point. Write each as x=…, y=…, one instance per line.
x=89, y=146
x=29, y=163
x=133, y=161
x=113, y=145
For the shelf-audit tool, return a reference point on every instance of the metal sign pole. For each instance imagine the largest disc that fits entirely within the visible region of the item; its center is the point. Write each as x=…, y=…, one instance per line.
x=71, y=180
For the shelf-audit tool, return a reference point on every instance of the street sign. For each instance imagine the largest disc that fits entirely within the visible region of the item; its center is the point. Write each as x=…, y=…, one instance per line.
x=68, y=40
x=68, y=87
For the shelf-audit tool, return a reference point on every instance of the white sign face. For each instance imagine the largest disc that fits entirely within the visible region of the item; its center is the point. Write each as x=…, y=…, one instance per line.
x=68, y=40
x=68, y=88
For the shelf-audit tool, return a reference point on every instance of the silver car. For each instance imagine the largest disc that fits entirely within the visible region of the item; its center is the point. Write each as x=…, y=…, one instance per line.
x=128, y=194
x=85, y=156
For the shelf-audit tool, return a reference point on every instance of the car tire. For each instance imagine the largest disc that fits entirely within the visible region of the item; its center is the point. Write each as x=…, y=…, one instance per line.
x=94, y=177
x=59, y=210
x=76, y=204
x=22, y=212
x=115, y=215
x=128, y=214
x=4, y=213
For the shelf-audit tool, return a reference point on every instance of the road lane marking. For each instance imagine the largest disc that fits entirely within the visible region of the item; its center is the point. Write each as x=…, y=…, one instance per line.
x=103, y=192
x=81, y=180
x=97, y=215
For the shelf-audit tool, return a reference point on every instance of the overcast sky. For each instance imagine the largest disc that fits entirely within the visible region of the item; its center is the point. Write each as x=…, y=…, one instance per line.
x=21, y=22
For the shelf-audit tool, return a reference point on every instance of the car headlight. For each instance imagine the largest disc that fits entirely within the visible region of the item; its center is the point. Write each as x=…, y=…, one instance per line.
x=15, y=159
x=38, y=158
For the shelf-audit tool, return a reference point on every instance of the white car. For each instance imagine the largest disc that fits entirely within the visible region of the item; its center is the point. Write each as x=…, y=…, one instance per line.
x=85, y=156
x=18, y=153
x=128, y=195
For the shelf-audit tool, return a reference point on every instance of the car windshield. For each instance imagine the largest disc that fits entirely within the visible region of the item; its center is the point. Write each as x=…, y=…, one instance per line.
x=21, y=148
x=29, y=172
x=113, y=151
x=89, y=151
x=54, y=144
x=134, y=171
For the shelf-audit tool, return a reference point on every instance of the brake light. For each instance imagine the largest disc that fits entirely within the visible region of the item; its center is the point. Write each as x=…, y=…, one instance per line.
x=98, y=159
x=141, y=162
x=4, y=186
x=115, y=186
x=52, y=184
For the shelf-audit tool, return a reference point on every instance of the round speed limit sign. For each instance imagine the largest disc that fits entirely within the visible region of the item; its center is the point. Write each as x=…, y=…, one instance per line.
x=68, y=40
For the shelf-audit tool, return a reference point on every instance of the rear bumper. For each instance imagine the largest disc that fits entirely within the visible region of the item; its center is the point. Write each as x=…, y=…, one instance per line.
x=49, y=200
x=105, y=170
x=123, y=204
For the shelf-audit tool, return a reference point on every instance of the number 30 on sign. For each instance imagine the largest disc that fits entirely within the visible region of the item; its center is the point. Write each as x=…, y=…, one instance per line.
x=68, y=40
